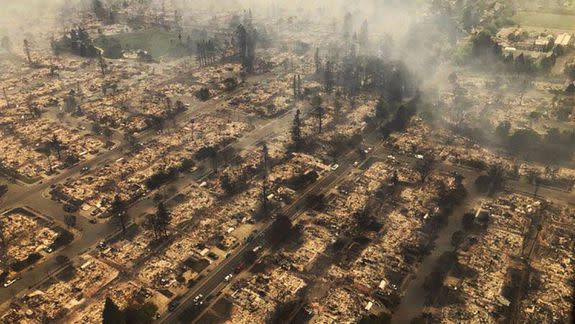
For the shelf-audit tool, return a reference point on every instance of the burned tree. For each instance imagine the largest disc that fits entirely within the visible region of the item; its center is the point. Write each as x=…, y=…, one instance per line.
x=4, y=249
x=6, y=97
x=76, y=41
x=295, y=93
x=336, y=108
x=246, y=47
x=363, y=37
x=27, y=51
x=118, y=212
x=70, y=102
x=56, y=145
x=424, y=167
x=317, y=61
x=318, y=109
x=381, y=110
x=493, y=181
x=131, y=141
x=206, y=52
x=296, y=131
x=211, y=153
x=103, y=65
x=328, y=77
x=160, y=221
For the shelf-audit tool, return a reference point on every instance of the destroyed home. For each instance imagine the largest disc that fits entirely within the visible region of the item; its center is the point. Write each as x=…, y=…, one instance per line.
x=278, y=161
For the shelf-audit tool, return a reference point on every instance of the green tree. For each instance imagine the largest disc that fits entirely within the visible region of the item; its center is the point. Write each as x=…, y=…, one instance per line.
x=570, y=70
x=96, y=128
x=141, y=314
x=112, y=314
x=107, y=132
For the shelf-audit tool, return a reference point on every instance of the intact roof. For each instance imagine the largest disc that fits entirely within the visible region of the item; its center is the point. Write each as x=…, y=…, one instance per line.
x=564, y=39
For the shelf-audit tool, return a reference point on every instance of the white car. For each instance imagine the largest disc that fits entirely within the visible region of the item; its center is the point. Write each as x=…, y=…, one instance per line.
x=391, y=157
x=356, y=163
x=334, y=167
x=199, y=299
x=228, y=277
x=419, y=156
x=9, y=283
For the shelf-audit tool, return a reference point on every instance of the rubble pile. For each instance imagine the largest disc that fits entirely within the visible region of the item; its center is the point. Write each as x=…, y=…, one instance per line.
x=26, y=236
x=58, y=298
x=491, y=255
x=554, y=268
x=340, y=305
x=122, y=295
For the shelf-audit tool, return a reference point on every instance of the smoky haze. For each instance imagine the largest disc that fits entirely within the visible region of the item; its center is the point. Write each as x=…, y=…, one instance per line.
x=389, y=17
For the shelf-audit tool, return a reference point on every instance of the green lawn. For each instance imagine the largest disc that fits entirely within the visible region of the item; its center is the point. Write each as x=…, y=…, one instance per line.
x=156, y=42
x=545, y=20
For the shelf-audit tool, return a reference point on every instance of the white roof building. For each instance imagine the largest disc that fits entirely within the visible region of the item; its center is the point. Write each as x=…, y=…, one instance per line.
x=564, y=39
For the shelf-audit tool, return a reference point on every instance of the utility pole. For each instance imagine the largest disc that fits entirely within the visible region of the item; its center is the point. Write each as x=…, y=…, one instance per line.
x=265, y=165
x=295, y=92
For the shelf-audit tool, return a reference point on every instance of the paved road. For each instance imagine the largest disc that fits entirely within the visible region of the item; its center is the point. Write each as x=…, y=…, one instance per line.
x=215, y=280
x=32, y=196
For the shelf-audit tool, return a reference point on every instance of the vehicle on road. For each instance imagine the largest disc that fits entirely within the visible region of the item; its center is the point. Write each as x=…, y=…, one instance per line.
x=199, y=300
x=11, y=282
x=228, y=277
x=334, y=167
x=174, y=304
x=239, y=268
